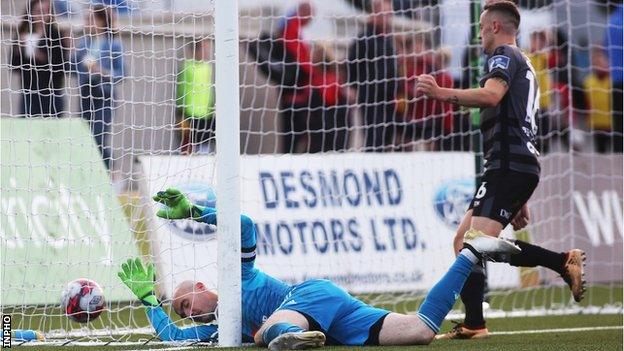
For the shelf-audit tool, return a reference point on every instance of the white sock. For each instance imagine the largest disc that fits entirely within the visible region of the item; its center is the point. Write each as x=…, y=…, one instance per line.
x=469, y=255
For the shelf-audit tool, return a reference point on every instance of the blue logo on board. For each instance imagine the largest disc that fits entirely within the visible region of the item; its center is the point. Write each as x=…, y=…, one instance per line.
x=200, y=194
x=452, y=200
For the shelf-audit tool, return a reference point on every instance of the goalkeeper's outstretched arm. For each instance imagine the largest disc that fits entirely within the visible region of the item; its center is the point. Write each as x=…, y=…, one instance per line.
x=166, y=330
x=140, y=280
x=248, y=240
x=178, y=206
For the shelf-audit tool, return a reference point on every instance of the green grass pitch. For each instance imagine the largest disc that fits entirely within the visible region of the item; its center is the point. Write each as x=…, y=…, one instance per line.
x=610, y=339
x=560, y=333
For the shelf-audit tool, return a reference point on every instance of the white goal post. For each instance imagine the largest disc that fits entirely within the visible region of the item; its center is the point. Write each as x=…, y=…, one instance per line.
x=228, y=172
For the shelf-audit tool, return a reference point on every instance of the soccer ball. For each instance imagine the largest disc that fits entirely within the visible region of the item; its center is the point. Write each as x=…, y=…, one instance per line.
x=83, y=300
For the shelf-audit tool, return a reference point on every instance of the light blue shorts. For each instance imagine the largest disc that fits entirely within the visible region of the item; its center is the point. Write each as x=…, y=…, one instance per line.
x=344, y=319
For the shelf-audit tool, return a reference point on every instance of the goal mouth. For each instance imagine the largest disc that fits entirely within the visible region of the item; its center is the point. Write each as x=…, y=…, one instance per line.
x=124, y=324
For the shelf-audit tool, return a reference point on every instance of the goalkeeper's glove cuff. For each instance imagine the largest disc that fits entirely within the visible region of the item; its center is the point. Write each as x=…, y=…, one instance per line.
x=150, y=300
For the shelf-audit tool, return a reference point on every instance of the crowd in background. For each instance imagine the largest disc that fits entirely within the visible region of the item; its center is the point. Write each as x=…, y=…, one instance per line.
x=43, y=53
x=592, y=93
x=321, y=97
x=377, y=81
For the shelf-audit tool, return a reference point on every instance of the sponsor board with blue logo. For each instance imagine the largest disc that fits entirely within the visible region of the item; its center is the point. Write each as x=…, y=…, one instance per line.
x=370, y=222
x=452, y=199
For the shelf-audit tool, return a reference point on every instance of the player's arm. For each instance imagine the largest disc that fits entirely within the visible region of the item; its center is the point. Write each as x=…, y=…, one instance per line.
x=140, y=280
x=248, y=239
x=166, y=330
x=522, y=218
x=490, y=95
x=178, y=206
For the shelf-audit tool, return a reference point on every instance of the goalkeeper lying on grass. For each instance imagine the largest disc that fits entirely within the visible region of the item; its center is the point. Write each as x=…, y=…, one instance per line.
x=306, y=315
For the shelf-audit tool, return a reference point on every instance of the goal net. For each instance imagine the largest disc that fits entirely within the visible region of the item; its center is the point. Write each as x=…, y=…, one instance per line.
x=349, y=173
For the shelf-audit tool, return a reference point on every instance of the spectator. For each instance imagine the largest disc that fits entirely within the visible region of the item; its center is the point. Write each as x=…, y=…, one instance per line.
x=39, y=54
x=301, y=106
x=373, y=71
x=412, y=61
x=427, y=120
x=559, y=117
x=99, y=62
x=463, y=139
x=597, y=87
x=196, y=100
x=539, y=56
x=329, y=80
x=443, y=110
x=613, y=43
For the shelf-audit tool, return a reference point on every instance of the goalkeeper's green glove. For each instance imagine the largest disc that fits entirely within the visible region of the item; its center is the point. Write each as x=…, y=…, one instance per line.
x=140, y=280
x=178, y=206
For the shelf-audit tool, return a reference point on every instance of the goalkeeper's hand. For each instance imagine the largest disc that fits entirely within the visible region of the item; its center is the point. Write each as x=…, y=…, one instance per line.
x=140, y=280
x=178, y=206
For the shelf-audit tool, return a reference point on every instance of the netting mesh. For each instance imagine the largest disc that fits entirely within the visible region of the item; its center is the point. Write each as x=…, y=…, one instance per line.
x=349, y=173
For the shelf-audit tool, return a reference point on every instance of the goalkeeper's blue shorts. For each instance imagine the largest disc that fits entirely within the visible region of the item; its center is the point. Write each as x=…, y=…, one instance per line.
x=344, y=319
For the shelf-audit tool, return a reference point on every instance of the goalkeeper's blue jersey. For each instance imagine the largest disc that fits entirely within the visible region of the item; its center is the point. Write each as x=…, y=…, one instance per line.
x=261, y=293
x=344, y=319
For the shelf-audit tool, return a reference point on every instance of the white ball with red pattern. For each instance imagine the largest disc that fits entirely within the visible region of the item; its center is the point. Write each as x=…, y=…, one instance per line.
x=83, y=300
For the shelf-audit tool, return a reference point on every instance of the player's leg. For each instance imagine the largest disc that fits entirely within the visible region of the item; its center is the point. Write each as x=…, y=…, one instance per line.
x=569, y=265
x=443, y=294
x=464, y=225
x=360, y=324
x=288, y=330
x=311, y=307
x=400, y=329
x=499, y=198
x=493, y=203
x=356, y=324
x=404, y=330
x=472, y=294
x=486, y=225
x=485, y=217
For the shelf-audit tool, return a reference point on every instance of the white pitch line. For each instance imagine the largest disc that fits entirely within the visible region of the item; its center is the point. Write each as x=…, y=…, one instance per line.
x=517, y=332
x=559, y=330
x=192, y=347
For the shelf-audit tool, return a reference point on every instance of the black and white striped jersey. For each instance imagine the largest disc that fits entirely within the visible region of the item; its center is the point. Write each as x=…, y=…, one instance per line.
x=509, y=129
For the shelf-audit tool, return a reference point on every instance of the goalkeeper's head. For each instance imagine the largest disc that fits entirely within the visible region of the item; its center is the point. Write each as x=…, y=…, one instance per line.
x=192, y=299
